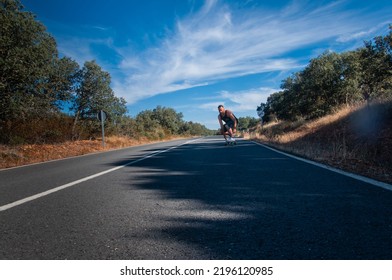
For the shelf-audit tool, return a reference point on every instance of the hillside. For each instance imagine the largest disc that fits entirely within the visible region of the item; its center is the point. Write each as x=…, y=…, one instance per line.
x=356, y=139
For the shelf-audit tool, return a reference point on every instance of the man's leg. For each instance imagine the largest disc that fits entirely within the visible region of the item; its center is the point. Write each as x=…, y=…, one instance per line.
x=228, y=130
x=230, y=133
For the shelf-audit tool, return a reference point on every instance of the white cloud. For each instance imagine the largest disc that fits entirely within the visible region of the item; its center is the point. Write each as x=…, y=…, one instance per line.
x=80, y=54
x=363, y=34
x=211, y=106
x=218, y=43
x=238, y=101
x=242, y=101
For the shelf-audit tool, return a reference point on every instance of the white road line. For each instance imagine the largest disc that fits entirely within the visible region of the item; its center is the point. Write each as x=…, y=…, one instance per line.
x=345, y=173
x=42, y=194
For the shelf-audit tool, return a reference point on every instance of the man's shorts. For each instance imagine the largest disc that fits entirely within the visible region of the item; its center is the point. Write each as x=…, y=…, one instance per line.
x=229, y=124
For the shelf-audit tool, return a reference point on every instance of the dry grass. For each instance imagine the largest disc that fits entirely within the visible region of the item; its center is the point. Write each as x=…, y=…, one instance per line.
x=356, y=139
x=11, y=156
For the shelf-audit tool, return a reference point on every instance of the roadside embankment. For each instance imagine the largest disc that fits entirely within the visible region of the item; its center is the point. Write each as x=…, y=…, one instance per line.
x=355, y=139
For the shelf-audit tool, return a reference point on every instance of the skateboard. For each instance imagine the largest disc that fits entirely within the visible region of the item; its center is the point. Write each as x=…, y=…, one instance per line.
x=230, y=143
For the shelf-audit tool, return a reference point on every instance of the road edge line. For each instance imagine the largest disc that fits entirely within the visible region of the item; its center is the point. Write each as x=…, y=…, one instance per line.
x=374, y=182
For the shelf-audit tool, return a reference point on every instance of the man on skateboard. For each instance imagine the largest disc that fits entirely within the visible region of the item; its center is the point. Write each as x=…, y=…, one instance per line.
x=229, y=127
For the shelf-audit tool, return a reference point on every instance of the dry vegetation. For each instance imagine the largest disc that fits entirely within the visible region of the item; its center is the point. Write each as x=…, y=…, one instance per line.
x=356, y=139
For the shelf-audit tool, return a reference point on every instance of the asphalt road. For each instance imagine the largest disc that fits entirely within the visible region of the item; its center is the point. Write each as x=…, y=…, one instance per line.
x=191, y=200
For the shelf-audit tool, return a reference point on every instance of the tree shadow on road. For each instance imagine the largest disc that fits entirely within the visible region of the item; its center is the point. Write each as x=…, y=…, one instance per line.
x=246, y=202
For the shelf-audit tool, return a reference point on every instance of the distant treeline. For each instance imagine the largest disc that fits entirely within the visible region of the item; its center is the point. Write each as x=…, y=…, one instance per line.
x=332, y=80
x=45, y=98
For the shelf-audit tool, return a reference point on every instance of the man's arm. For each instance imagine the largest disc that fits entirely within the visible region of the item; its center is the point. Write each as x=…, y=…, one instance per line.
x=220, y=123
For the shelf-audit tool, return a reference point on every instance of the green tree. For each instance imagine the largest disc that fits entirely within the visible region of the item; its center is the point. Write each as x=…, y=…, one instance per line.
x=162, y=122
x=27, y=54
x=61, y=82
x=289, y=103
x=191, y=128
x=95, y=94
x=376, y=67
x=125, y=126
x=245, y=123
x=321, y=89
x=274, y=107
x=168, y=118
x=332, y=80
x=148, y=126
x=350, y=87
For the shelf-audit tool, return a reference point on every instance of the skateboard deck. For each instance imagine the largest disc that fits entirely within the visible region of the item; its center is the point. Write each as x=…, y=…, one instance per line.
x=230, y=143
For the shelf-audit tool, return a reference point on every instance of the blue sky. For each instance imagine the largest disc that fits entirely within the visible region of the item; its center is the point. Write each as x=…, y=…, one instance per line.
x=193, y=55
